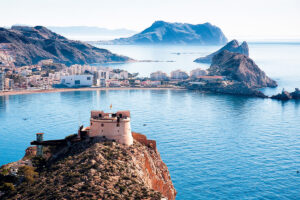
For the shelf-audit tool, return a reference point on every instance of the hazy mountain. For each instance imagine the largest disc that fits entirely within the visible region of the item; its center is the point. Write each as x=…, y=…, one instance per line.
x=29, y=45
x=161, y=32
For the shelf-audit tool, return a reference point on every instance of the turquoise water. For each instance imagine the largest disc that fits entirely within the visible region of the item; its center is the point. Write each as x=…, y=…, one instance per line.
x=215, y=146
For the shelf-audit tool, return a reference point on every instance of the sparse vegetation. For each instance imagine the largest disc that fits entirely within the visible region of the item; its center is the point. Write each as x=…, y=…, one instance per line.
x=28, y=173
x=86, y=170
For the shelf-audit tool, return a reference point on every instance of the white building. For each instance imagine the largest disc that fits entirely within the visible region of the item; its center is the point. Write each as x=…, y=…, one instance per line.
x=77, y=80
x=178, y=74
x=158, y=76
x=9, y=84
x=198, y=72
x=124, y=75
x=2, y=79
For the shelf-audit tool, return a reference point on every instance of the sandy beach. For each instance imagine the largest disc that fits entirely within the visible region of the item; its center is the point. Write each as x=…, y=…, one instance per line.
x=20, y=92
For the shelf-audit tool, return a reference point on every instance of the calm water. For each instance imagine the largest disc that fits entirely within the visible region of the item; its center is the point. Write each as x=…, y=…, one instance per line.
x=215, y=146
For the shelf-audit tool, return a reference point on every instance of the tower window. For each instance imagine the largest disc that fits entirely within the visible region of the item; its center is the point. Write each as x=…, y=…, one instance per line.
x=102, y=125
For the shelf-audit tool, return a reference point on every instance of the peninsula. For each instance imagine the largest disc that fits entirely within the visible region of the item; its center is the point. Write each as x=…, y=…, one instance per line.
x=23, y=45
x=103, y=161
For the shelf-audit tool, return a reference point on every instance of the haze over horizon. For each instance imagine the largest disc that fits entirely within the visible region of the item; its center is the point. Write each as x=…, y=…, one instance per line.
x=238, y=19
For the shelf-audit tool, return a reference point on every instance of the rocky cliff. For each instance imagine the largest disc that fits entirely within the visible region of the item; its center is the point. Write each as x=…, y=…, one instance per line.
x=96, y=169
x=161, y=32
x=28, y=45
x=232, y=46
x=240, y=68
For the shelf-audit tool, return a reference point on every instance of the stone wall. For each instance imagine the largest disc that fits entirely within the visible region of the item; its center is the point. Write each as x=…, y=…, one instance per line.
x=143, y=140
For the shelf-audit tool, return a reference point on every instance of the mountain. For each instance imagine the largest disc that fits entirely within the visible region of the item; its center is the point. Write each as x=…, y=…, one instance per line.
x=240, y=68
x=232, y=46
x=28, y=45
x=90, y=169
x=161, y=32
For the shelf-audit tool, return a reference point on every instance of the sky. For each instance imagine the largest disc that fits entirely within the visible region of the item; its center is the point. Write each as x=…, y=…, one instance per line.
x=240, y=19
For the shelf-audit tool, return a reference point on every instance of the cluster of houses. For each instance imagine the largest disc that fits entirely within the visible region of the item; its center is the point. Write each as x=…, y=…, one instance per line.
x=47, y=74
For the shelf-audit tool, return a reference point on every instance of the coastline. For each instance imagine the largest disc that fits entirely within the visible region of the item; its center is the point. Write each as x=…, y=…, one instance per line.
x=22, y=92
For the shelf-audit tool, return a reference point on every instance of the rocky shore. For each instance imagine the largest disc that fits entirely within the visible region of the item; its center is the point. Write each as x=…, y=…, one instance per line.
x=91, y=169
x=284, y=95
x=233, y=89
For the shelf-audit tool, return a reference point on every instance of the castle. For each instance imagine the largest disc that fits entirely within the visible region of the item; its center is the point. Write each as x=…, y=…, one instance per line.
x=113, y=126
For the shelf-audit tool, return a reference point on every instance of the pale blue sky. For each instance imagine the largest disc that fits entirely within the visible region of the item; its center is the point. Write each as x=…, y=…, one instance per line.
x=266, y=19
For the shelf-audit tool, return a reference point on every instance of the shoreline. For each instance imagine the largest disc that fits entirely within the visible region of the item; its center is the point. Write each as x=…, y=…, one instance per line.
x=22, y=92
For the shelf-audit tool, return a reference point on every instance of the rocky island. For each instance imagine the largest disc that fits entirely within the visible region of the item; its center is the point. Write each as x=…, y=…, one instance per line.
x=161, y=32
x=233, y=73
x=114, y=164
x=232, y=46
x=25, y=45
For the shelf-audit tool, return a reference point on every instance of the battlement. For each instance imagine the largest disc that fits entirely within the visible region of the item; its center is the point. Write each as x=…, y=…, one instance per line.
x=101, y=115
x=114, y=126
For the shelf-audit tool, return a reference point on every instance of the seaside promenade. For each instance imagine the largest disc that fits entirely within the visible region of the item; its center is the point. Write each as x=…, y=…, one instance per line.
x=20, y=92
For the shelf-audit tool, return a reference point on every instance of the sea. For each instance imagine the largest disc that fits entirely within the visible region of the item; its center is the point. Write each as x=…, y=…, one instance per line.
x=215, y=146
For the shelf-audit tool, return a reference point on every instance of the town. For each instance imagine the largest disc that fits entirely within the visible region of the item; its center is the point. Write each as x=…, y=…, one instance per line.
x=47, y=74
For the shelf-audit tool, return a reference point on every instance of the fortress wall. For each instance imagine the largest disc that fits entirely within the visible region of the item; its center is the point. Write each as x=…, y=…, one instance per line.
x=143, y=140
x=121, y=133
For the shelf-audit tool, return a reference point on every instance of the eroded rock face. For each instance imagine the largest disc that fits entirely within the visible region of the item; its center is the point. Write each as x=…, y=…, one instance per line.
x=29, y=45
x=240, y=68
x=232, y=46
x=97, y=169
x=155, y=172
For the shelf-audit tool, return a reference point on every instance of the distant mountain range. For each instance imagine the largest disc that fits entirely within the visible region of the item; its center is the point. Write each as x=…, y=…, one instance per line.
x=161, y=32
x=90, y=33
x=89, y=30
x=28, y=45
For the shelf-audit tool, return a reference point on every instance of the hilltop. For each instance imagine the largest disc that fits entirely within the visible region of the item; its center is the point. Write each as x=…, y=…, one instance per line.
x=94, y=168
x=232, y=46
x=161, y=32
x=28, y=45
x=240, y=68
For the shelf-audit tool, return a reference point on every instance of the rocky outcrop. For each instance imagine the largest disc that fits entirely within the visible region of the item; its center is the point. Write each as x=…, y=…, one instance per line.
x=232, y=89
x=161, y=32
x=240, y=68
x=28, y=45
x=98, y=169
x=232, y=46
x=284, y=95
